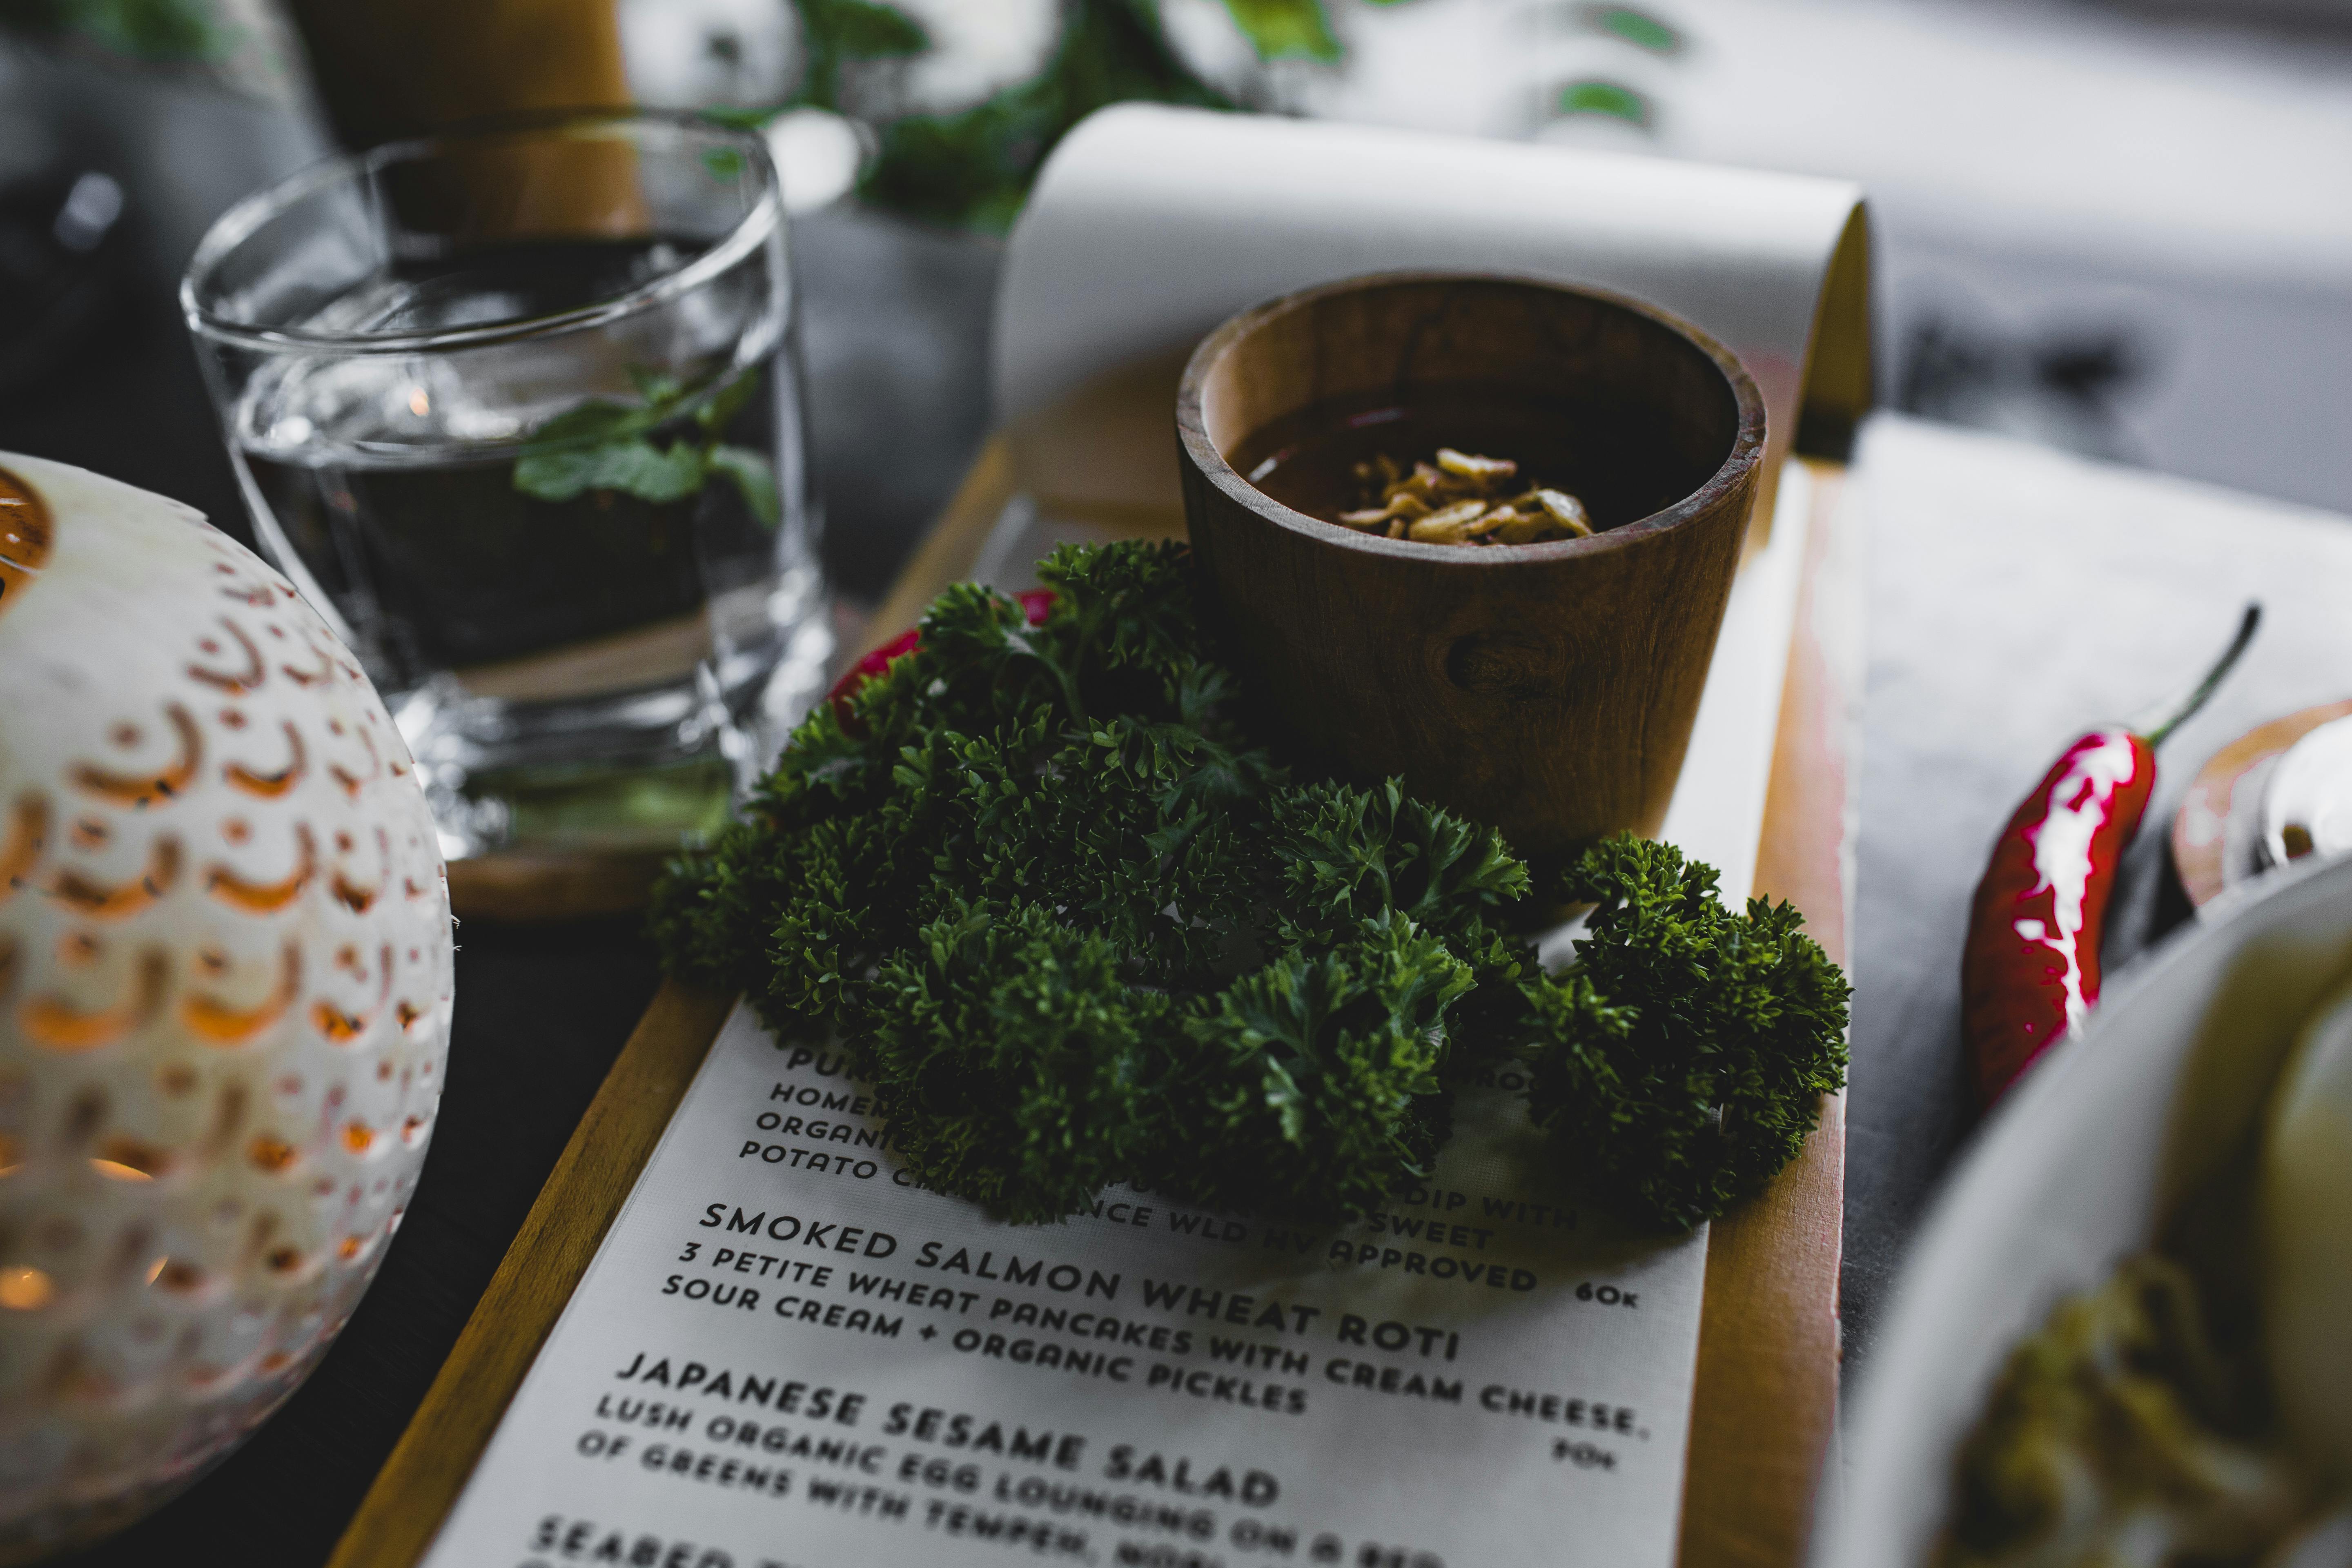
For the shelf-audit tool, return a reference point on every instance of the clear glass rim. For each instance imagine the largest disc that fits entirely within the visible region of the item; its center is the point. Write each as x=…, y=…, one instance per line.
x=241, y=221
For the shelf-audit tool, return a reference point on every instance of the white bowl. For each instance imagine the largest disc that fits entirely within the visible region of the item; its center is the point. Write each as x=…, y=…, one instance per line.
x=2079, y=1169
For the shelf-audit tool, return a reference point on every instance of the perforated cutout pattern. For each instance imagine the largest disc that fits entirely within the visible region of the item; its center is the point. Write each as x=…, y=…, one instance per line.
x=225, y=995
x=24, y=538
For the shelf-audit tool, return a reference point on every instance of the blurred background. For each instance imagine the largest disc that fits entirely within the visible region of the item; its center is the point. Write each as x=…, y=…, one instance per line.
x=2121, y=228
x=2118, y=228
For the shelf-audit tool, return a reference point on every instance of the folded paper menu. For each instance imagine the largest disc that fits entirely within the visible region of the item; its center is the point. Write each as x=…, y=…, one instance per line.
x=784, y=1353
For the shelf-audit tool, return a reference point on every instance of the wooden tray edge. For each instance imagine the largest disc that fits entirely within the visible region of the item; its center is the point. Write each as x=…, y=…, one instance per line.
x=1766, y=1399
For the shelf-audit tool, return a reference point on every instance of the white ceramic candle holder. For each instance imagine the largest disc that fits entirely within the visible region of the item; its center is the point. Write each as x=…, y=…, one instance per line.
x=225, y=996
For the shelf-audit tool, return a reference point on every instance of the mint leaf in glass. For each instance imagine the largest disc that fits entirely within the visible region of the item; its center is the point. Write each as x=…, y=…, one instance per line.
x=634, y=466
x=751, y=474
x=600, y=444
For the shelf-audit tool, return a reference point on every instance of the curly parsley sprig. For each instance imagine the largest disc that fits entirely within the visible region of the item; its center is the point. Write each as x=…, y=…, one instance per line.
x=1076, y=927
x=1681, y=1062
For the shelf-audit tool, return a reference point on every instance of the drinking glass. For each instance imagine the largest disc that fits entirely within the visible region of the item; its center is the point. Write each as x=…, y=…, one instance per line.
x=518, y=407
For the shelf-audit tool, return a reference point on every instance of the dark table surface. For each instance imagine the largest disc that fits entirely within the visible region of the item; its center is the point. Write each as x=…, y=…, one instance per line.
x=2014, y=596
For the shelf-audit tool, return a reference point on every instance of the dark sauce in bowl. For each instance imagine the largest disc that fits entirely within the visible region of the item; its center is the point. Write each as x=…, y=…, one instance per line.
x=1307, y=460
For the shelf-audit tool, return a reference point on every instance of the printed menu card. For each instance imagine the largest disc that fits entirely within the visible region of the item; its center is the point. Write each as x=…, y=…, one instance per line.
x=786, y=1354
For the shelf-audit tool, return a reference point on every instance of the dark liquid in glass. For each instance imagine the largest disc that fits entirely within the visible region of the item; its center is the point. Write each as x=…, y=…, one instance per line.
x=443, y=564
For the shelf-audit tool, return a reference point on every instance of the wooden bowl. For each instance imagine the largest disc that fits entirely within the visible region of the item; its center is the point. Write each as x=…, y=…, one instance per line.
x=1547, y=690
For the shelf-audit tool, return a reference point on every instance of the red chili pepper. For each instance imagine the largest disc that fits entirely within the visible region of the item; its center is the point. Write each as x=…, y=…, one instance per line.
x=2030, y=971
x=1035, y=603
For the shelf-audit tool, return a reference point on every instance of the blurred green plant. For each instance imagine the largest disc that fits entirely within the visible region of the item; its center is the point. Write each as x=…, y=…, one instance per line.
x=834, y=32
x=1612, y=99
x=159, y=31
x=972, y=168
x=1285, y=29
x=1639, y=28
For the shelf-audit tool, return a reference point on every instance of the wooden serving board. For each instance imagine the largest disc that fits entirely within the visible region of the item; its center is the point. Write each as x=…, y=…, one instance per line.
x=1766, y=1401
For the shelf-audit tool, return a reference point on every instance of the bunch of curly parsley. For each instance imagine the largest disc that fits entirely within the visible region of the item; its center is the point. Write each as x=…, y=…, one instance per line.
x=1075, y=926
